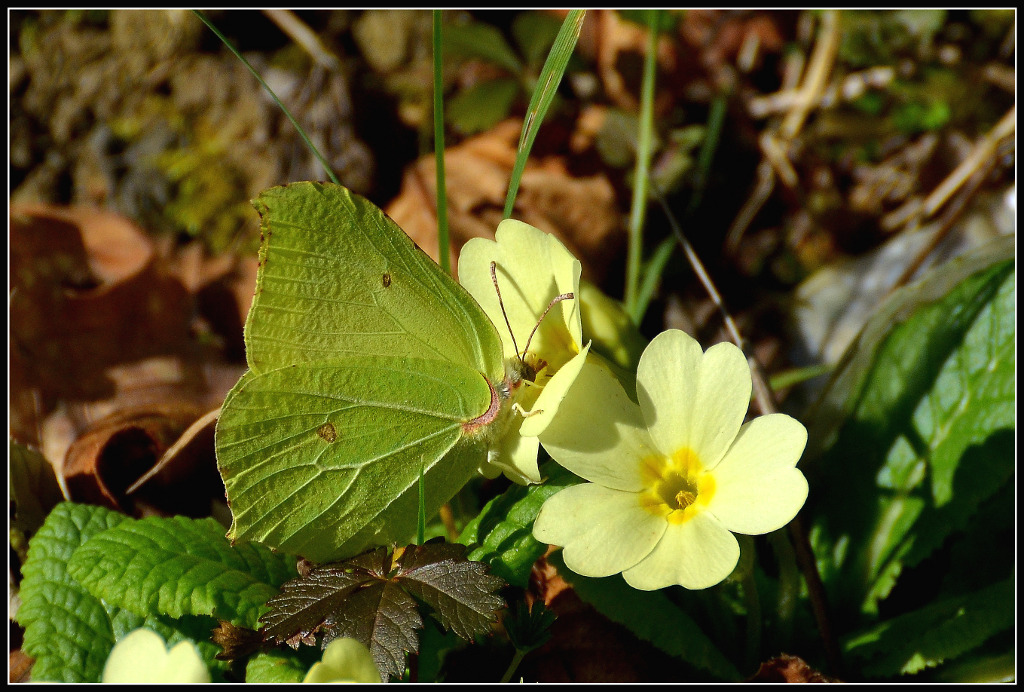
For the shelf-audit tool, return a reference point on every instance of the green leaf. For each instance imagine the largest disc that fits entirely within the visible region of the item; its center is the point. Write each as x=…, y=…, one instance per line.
x=534, y=33
x=179, y=566
x=67, y=630
x=367, y=363
x=907, y=427
x=664, y=21
x=938, y=632
x=70, y=631
x=529, y=627
x=544, y=93
x=483, y=41
x=482, y=106
x=502, y=534
x=276, y=667
x=370, y=598
x=651, y=616
x=34, y=490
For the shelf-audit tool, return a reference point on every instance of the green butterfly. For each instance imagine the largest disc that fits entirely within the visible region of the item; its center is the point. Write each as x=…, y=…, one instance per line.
x=367, y=365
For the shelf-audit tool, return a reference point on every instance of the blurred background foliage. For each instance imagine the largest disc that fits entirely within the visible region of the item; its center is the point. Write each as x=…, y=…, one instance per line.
x=819, y=162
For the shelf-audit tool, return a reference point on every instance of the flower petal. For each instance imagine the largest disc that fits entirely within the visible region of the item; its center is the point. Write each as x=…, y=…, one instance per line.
x=546, y=405
x=693, y=400
x=515, y=455
x=344, y=660
x=696, y=554
x=142, y=657
x=757, y=487
x=532, y=268
x=185, y=665
x=599, y=433
x=602, y=531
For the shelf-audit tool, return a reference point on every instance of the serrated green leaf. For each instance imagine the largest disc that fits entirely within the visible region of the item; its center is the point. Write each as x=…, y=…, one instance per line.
x=67, y=631
x=938, y=632
x=501, y=535
x=924, y=387
x=178, y=566
x=651, y=616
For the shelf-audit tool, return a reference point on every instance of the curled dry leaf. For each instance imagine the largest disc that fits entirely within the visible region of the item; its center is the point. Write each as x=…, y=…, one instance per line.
x=116, y=451
x=104, y=328
x=580, y=211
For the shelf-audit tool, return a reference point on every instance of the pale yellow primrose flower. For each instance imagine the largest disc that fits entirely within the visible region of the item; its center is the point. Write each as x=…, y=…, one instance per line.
x=532, y=268
x=141, y=656
x=672, y=477
x=344, y=660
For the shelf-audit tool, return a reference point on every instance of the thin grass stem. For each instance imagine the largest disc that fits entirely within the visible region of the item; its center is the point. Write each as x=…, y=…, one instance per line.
x=641, y=176
x=442, y=194
x=298, y=128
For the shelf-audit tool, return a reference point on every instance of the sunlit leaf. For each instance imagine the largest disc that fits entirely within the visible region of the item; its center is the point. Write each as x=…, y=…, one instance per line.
x=178, y=566
x=911, y=427
x=926, y=637
x=501, y=535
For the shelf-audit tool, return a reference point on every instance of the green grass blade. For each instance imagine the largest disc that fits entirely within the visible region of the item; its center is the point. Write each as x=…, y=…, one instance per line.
x=641, y=178
x=716, y=117
x=664, y=252
x=547, y=85
x=302, y=133
x=442, y=196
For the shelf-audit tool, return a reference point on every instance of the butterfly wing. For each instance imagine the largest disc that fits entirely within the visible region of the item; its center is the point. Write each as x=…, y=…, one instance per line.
x=323, y=460
x=339, y=278
x=365, y=362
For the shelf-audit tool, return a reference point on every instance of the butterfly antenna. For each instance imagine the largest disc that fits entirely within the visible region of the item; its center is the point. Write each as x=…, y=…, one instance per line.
x=501, y=304
x=556, y=299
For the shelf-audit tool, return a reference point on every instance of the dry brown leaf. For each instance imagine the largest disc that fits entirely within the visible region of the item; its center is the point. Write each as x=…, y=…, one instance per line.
x=580, y=211
x=86, y=295
x=113, y=453
x=102, y=327
x=621, y=45
x=19, y=666
x=787, y=668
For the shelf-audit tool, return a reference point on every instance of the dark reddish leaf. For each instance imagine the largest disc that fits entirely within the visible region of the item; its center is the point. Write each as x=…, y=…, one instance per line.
x=370, y=597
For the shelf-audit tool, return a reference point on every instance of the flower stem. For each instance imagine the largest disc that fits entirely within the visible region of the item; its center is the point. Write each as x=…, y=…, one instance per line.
x=753, y=602
x=516, y=660
x=641, y=175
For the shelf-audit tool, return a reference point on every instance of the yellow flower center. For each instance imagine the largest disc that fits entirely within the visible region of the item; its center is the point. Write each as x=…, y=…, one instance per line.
x=678, y=487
